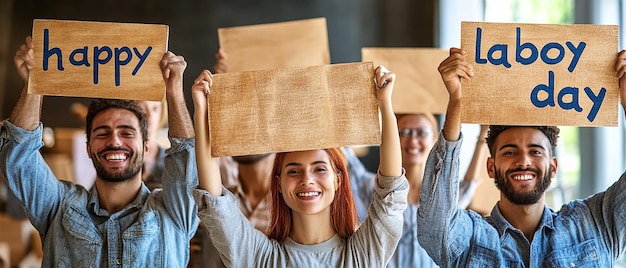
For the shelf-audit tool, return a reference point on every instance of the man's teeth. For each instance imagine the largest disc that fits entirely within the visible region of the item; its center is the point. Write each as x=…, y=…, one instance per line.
x=115, y=157
x=307, y=194
x=523, y=177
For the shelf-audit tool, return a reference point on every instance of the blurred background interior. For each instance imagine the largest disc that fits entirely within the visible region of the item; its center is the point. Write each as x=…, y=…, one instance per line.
x=590, y=159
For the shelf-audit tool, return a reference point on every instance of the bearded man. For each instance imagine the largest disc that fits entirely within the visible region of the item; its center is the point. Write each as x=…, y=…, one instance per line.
x=521, y=230
x=120, y=222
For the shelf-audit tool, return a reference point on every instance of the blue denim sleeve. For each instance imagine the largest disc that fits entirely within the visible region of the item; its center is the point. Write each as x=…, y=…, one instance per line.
x=444, y=230
x=28, y=176
x=608, y=211
x=179, y=177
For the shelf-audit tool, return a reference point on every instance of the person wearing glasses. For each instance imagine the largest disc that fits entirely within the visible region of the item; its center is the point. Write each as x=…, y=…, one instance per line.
x=418, y=133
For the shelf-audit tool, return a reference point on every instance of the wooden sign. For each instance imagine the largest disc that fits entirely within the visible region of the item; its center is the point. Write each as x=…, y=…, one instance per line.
x=276, y=45
x=98, y=59
x=293, y=109
x=538, y=74
x=418, y=87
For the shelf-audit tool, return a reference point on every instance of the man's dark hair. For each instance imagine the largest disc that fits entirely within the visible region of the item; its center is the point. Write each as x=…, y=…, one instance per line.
x=98, y=105
x=551, y=132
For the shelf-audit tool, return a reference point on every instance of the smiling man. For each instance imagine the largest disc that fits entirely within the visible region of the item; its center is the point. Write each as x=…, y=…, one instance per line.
x=521, y=230
x=526, y=156
x=120, y=222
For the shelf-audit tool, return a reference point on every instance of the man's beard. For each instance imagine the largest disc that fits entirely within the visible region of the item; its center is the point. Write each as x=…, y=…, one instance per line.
x=134, y=168
x=249, y=159
x=523, y=198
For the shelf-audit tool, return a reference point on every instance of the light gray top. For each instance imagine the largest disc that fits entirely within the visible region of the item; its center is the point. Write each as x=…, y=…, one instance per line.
x=372, y=244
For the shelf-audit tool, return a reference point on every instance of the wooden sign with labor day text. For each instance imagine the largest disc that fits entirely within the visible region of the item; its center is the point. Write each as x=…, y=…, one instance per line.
x=539, y=74
x=293, y=109
x=98, y=59
x=276, y=45
x=418, y=87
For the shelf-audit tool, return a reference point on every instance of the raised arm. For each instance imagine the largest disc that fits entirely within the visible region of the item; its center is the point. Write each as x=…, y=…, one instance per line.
x=390, y=153
x=447, y=229
x=221, y=64
x=27, y=111
x=208, y=167
x=472, y=178
x=473, y=171
x=178, y=118
x=620, y=68
x=452, y=69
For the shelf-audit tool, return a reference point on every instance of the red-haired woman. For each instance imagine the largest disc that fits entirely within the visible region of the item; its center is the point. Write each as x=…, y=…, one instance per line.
x=314, y=221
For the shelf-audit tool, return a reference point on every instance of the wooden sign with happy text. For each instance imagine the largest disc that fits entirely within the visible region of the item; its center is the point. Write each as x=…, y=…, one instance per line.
x=98, y=59
x=540, y=74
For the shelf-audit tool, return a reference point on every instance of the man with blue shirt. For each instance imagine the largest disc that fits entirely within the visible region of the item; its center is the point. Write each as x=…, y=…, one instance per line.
x=521, y=230
x=120, y=222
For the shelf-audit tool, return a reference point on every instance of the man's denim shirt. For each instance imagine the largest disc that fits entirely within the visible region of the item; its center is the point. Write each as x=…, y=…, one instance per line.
x=584, y=233
x=152, y=231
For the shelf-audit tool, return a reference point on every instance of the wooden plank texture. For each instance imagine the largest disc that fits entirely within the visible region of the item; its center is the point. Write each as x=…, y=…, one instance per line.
x=540, y=74
x=293, y=109
x=418, y=87
x=98, y=59
x=276, y=45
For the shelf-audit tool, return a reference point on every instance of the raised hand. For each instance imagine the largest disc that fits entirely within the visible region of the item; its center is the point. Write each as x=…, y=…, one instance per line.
x=209, y=177
x=620, y=68
x=384, y=80
x=452, y=69
x=221, y=65
x=25, y=59
x=173, y=67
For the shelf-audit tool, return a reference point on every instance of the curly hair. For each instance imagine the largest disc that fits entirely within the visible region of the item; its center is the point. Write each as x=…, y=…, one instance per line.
x=98, y=105
x=551, y=132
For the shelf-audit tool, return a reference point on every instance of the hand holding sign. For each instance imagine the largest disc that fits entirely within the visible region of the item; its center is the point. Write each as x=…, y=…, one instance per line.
x=452, y=69
x=25, y=59
x=620, y=68
x=173, y=67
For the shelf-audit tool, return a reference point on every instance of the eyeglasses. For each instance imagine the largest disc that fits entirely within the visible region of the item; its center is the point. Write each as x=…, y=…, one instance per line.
x=415, y=132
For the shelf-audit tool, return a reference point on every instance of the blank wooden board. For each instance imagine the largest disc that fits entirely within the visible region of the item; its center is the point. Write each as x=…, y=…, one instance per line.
x=418, y=86
x=293, y=109
x=276, y=45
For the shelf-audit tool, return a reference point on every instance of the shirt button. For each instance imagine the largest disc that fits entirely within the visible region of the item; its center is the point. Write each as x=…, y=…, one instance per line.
x=571, y=264
x=118, y=262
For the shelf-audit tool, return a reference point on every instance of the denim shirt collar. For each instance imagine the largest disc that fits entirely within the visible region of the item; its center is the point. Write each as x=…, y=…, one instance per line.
x=94, y=202
x=502, y=224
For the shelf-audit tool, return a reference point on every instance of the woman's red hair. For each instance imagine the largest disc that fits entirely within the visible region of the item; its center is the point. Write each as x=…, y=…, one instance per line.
x=342, y=210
